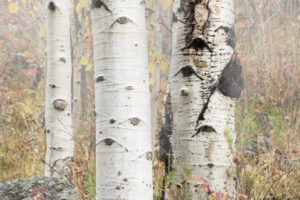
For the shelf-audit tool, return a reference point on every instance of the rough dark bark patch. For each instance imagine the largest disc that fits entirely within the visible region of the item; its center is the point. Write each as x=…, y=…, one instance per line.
x=195, y=27
x=231, y=82
x=201, y=116
x=165, y=148
x=99, y=4
x=231, y=40
x=32, y=188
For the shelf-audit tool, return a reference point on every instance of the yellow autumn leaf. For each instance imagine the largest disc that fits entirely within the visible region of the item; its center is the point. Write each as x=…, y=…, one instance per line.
x=78, y=10
x=298, y=18
x=148, y=4
x=150, y=80
x=151, y=67
x=23, y=1
x=9, y=0
x=13, y=7
x=166, y=4
x=84, y=60
x=164, y=66
x=42, y=32
x=84, y=3
x=157, y=57
x=89, y=67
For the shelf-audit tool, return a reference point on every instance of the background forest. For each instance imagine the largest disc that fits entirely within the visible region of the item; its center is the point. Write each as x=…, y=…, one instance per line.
x=267, y=114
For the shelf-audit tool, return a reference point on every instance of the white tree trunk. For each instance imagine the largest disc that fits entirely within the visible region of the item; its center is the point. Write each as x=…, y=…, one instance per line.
x=60, y=146
x=123, y=140
x=203, y=106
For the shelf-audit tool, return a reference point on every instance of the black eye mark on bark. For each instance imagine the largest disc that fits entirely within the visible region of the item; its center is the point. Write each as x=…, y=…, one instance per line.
x=149, y=156
x=187, y=71
x=135, y=121
x=210, y=165
x=52, y=86
x=112, y=121
x=231, y=39
x=198, y=44
x=52, y=6
x=123, y=20
x=62, y=59
x=99, y=4
x=100, y=79
x=231, y=82
x=109, y=142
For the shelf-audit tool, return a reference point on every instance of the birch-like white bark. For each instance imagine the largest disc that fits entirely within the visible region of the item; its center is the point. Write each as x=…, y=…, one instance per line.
x=60, y=146
x=203, y=118
x=123, y=127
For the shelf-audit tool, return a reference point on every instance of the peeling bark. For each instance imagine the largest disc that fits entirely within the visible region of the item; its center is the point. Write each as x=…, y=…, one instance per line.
x=58, y=120
x=205, y=78
x=123, y=148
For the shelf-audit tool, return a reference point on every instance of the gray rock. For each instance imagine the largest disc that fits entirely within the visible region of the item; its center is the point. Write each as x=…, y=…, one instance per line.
x=42, y=188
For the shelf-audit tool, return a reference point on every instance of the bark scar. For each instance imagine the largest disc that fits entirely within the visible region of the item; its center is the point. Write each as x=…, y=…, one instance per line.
x=187, y=71
x=201, y=115
x=99, y=4
x=109, y=142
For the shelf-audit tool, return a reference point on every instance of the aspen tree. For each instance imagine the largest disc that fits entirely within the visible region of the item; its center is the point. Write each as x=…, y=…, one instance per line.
x=60, y=146
x=204, y=81
x=123, y=128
